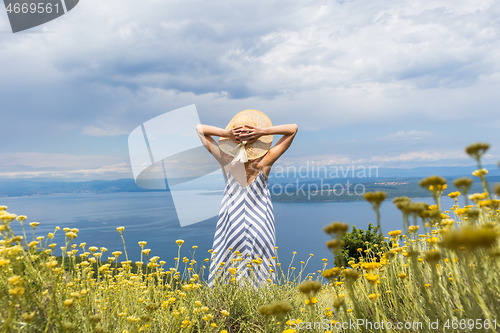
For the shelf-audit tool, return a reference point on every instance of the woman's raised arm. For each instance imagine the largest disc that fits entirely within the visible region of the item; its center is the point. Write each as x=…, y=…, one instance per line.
x=205, y=132
x=288, y=131
x=250, y=133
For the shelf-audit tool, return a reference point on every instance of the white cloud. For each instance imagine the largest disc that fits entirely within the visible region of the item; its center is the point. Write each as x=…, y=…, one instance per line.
x=407, y=159
x=318, y=160
x=288, y=49
x=406, y=135
x=55, y=160
x=34, y=164
x=98, y=131
x=111, y=172
x=419, y=156
x=108, y=66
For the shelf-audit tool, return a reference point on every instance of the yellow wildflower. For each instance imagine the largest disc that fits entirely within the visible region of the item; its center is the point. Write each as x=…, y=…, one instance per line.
x=480, y=172
x=17, y=291
x=293, y=322
x=336, y=228
x=28, y=316
x=413, y=228
x=68, y=303
x=432, y=240
x=394, y=233
x=470, y=237
x=350, y=274
x=463, y=184
x=51, y=264
x=433, y=183
x=311, y=301
x=371, y=265
x=375, y=198
x=432, y=256
x=338, y=301
x=275, y=309
x=372, y=278
x=21, y=218
x=309, y=287
x=331, y=273
x=15, y=280
x=476, y=150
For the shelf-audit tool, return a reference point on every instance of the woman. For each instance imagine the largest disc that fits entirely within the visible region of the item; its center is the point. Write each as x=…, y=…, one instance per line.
x=244, y=241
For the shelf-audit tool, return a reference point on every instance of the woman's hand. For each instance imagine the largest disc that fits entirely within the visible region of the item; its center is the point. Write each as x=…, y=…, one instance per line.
x=234, y=134
x=250, y=133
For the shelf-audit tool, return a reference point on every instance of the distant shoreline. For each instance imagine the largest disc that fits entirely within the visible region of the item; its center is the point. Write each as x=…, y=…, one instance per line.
x=308, y=185
x=286, y=192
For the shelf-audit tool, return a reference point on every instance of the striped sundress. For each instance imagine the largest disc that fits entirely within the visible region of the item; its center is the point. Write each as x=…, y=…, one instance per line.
x=244, y=241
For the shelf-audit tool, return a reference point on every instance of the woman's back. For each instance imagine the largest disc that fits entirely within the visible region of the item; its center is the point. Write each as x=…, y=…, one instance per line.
x=251, y=168
x=244, y=242
x=245, y=235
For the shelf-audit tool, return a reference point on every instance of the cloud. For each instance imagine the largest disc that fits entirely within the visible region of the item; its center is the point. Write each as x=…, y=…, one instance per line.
x=406, y=159
x=419, y=156
x=116, y=171
x=98, y=131
x=34, y=164
x=298, y=47
x=406, y=68
x=318, y=160
x=406, y=135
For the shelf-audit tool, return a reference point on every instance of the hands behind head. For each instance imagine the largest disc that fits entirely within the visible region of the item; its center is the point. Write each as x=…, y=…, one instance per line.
x=246, y=132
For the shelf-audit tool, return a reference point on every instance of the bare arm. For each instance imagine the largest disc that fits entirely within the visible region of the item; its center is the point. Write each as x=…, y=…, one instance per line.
x=205, y=132
x=251, y=133
x=288, y=131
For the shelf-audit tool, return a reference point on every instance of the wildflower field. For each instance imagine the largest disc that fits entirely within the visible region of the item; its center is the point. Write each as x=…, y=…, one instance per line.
x=439, y=273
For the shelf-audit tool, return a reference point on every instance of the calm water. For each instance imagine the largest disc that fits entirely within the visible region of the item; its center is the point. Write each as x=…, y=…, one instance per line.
x=150, y=216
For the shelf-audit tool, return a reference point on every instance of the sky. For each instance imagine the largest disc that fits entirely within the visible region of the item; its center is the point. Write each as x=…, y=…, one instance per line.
x=387, y=83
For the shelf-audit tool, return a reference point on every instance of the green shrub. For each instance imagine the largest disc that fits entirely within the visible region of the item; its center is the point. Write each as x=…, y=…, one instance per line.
x=370, y=240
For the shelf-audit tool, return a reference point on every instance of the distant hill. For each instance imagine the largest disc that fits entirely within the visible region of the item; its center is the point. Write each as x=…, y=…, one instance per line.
x=394, y=181
x=20, y=187
x=455, y=171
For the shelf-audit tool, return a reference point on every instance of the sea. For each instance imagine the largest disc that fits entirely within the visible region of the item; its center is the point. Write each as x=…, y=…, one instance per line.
x=151, y=217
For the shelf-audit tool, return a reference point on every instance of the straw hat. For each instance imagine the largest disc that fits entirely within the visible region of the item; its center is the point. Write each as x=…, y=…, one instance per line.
x=253, y=150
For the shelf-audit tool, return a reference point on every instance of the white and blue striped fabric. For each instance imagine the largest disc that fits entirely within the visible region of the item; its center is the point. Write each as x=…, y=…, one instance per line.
x=245, y=234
